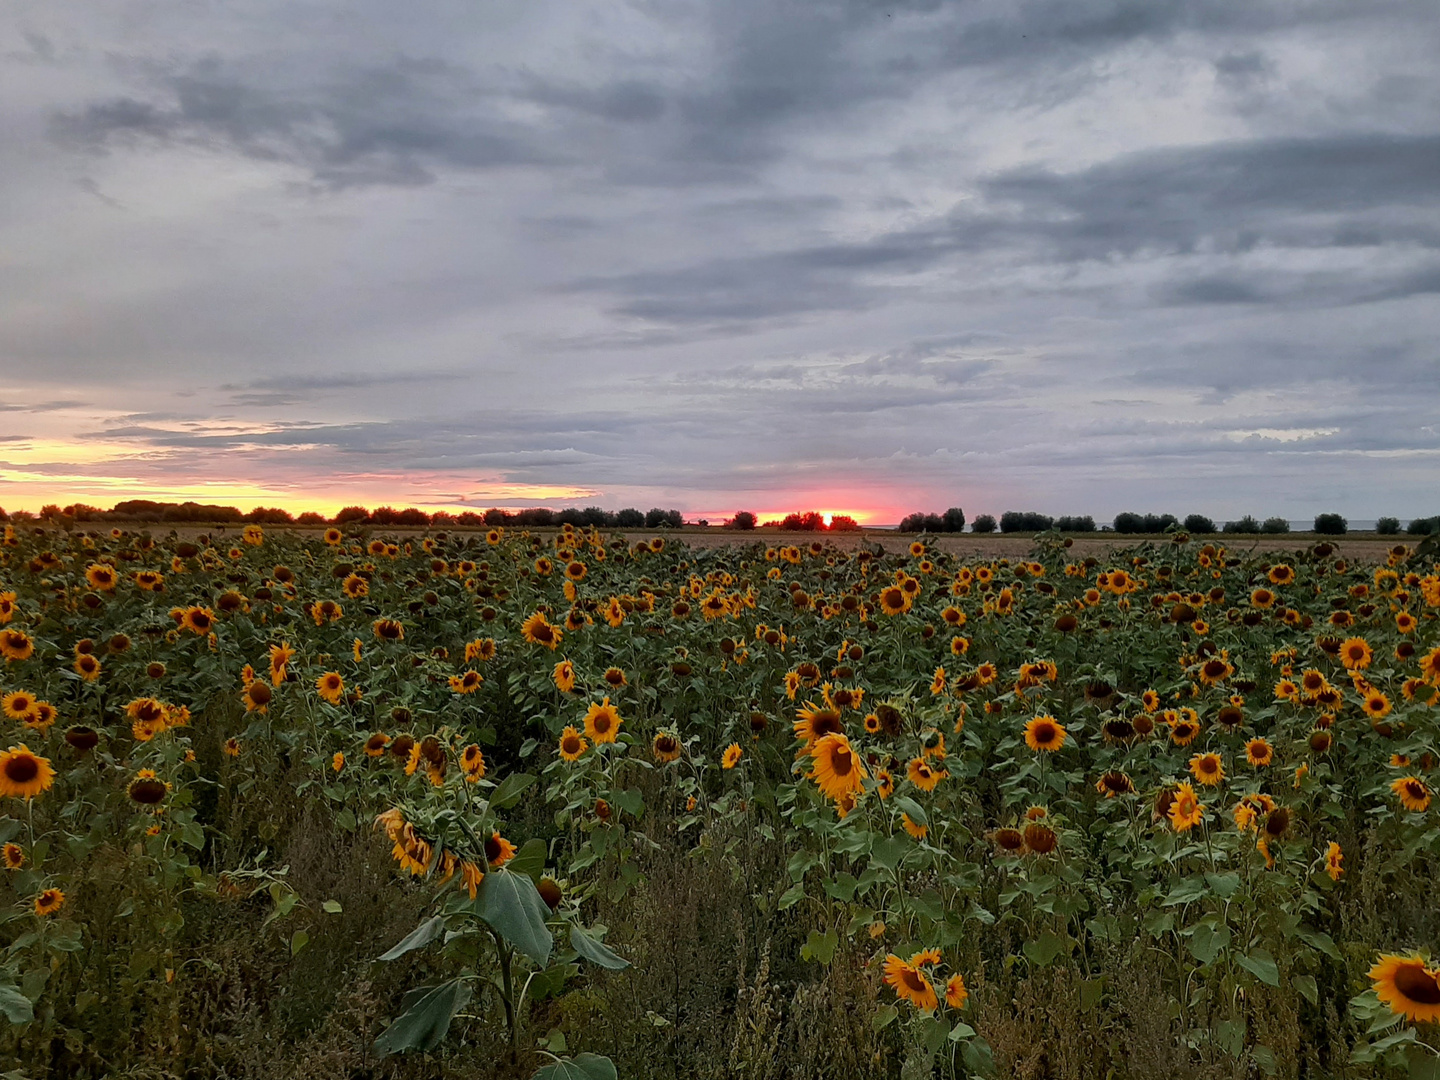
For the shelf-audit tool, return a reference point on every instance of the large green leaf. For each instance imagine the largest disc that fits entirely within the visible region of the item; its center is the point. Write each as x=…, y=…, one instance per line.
x=1043, y=949
x=512, y=905
x=1207, y=942
x=423, y=1026
x=530, y=860
x=595, y=951
x=510, y=790
x=582, y=1067
x=418, y=938
x=15, y=1005
x=1262, y=965
x=911, y=807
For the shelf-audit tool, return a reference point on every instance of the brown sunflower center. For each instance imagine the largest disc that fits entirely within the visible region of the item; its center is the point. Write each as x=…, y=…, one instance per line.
x=913, y=980
x=841, y=761
x=1417, y=984
x=571, y=745
x=21, y=769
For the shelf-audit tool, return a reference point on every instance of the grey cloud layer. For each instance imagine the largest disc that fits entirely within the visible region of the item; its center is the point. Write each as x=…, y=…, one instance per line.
x=707, y=249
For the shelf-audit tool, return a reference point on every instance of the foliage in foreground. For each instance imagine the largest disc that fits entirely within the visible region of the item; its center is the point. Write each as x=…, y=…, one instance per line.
x=557, y=804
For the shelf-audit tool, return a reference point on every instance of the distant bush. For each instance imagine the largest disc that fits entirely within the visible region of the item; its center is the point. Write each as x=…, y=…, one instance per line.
x=263, y=515
x=985, y=523
x=1024, y=521
x=1144, y=523
x=351, y=515
x=1387, y=526
x=1246, y=524
x=843, y=523
x=1199, y=524
x=629, y=518
x=952, y=521
x=1331, y=524
x=1277, y=525
x=1423, y=526
x=655, y=518
x=1067, y=523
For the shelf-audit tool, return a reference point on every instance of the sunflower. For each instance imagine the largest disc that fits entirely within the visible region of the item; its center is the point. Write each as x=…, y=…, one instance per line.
x=817, y=721
x=498, y=851
x=937, y=684
x=1333, y=858
x=602, y=722
x=923, y=775
x=1262, y=598
x=665, y=746
x=232, y=747
x=1044, y=733
x=1041, y=839
x=1376, y=705
x=1259, y=752
x=23, y=775
x=467, y=682
x=18, y=704
x=1355, y=653
x=1208, y=769
x=388, y=630
x=1408, y=986
x=732, y=756
x=15, y=644
x=538, y=631
x=13, y=856
x=615, y=677
x=1150, y=701
x=198, y=620
x=955, y=993
x=1183, y=731
x=1413, y=792
x=1009, y=840
x=910, y=984
x=837, y=770
x=1214, y=671
x=1114, y=783
x=572, y=743
x=1185, y=810
x=49, y=902
x=1281, y=574
x=257, y=696
x=894, y=600
x=472, y=763
x=101, y=577
x=480, y=649
x=1429, y=664
x=564, y=676
x=331, y=687
x=354, y=586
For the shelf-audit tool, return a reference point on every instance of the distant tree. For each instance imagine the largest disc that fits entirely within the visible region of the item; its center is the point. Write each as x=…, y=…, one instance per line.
x=495, y=516
x=743, y=520
x=1387, y=526
x=1275, y=525
x=954, y=519
x=985, y=523
x=1331, y=525
x=654, y=518
x=469, y=519
x=598, y=518
x=919, y=522
x=51, y=512
x=351, y=515
x=1423, y=526
x=843, y=523
x=809, y=521
x=21, y=515
x=137, y=510
x=310, y=517
x=1199, y=524
x=1246, y=524
x=1075, y=524
x=570, y=516
x=535, y=517
x=629, y=518
x=3, y=515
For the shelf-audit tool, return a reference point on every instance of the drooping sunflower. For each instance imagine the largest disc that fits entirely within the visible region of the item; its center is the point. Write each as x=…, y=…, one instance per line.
x=1044, y=733
x=257, y=696
x=602, y=722
x=15, y=644
x=13, y=856
x=1409, y=986
x=923, y=775
x=572, y=744
x=910, y=984
x=1184, y=731
x=665, y=746
x=23, y=774
x=331, y=687
x=732, y=756
x=1208, y=769
x=1333, y=858
x=498, y=851
x=388, y=630
x=1185, y=810
x=1041, y=839
x=1114, y=783
x=837, y=770
x=955, y=993
x=564, y=676
x=146, y=789
x=538, y=631
x=467, y=682
x=1413, y=792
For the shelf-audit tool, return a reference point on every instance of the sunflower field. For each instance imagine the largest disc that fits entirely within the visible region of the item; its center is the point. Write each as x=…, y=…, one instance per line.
x=571, y=805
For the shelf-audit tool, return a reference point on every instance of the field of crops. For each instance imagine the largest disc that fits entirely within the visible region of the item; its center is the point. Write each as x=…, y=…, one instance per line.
x=576, y=806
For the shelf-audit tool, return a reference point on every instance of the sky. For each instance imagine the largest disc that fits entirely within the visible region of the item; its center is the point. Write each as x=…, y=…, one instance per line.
x=1074, y=256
